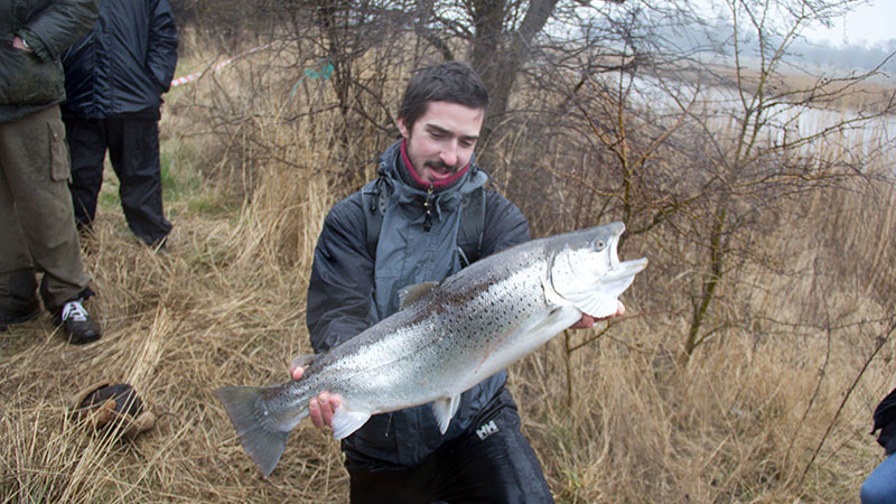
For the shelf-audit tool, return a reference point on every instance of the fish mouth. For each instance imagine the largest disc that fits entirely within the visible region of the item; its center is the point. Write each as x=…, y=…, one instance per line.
x=620, y=269
x=627, y=270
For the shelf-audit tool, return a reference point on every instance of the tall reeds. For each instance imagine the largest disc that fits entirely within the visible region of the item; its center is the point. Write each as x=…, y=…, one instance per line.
x=773, y=407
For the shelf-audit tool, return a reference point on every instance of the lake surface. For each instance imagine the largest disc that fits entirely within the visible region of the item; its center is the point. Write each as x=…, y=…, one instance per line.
x=841, y=132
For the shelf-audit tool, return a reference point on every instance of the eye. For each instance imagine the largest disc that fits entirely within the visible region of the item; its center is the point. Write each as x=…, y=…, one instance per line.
x=599, y=245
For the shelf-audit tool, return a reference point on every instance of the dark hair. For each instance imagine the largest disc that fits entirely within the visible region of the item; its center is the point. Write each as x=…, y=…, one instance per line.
x=451, y=81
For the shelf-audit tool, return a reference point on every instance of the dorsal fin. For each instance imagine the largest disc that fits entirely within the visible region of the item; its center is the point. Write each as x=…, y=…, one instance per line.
x=414, y=292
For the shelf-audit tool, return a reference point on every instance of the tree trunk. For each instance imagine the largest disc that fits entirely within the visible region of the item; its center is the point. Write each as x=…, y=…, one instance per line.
x=498, y=55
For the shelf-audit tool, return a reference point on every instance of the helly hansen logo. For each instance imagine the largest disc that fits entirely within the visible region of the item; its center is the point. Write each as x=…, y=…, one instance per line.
x=487, y=430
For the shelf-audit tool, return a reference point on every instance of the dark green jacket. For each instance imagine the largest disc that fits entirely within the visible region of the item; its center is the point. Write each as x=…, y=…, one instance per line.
x=33, y=81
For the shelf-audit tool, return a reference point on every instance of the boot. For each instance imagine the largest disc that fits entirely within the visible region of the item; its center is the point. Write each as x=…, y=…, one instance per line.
x=19, y=302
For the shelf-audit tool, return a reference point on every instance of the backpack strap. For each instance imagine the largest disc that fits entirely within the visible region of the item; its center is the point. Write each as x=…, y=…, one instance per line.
x=472, y=227
x=373, y=199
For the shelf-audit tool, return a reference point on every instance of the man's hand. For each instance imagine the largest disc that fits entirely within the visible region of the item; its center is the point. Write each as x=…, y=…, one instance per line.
x=320, y=408
x=19, y=43
x=587, y=321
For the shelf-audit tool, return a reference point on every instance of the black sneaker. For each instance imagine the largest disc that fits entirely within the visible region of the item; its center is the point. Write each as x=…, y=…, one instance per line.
x=77, y=324
x=8, y=319
x=10, y=315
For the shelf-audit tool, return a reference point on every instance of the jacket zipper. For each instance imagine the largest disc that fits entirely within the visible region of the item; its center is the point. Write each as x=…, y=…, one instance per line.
x=427, y=209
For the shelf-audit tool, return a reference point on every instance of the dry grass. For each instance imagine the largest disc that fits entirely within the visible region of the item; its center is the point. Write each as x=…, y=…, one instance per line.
x=755, y=416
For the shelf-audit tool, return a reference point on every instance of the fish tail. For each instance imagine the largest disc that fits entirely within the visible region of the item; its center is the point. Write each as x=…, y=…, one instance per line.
x=262, y=439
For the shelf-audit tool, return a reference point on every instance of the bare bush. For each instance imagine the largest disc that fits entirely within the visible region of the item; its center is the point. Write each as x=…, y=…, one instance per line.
x=785, y=356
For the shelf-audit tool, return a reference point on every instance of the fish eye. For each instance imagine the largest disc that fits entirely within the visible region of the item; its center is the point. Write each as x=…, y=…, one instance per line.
x=599, y=245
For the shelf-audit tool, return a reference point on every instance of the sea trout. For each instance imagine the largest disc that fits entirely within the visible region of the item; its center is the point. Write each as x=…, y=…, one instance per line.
x=447, y=337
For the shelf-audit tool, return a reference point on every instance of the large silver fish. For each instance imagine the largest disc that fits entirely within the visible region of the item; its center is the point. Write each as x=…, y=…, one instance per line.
x=447, y=337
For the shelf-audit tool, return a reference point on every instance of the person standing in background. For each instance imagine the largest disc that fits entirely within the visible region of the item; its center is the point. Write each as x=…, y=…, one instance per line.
x=880, y=487
x=36, y=217
x=114, y=80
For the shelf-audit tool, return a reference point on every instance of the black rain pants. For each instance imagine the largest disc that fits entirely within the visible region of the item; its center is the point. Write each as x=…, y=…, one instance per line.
x=133, y=145
x=492, y=463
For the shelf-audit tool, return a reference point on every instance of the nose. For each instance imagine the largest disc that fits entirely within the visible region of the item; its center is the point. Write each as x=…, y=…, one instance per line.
x=448, y=154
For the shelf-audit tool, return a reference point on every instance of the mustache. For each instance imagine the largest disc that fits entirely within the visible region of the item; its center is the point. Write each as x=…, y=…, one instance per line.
x=440, y=165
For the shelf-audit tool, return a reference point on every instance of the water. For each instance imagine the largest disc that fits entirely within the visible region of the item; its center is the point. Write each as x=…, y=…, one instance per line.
x=815, y=130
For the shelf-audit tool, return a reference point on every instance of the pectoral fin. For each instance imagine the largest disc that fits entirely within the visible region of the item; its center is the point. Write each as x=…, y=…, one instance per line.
x=345, y=421
x=444, y=410
x=599, y=306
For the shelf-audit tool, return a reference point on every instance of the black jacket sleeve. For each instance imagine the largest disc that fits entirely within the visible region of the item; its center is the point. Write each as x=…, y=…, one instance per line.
x=161, y=59
x=32, y=82
x=59, y=26
x=505, y=225
x=340, y=290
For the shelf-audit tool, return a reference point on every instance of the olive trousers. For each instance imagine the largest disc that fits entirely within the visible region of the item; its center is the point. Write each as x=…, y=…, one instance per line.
x=37, y=223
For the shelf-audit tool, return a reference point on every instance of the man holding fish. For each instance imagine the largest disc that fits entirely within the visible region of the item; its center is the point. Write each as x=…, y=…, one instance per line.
x=424, y=288
x=427, y=182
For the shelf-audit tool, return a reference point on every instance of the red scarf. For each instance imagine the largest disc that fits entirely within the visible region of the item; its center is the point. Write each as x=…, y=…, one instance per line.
x=437, y=185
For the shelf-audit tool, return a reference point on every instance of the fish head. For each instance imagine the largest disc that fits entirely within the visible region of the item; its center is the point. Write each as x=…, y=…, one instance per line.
x=585, y=269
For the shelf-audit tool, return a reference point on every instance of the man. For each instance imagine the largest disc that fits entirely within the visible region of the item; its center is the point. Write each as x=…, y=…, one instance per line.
x=36, y=216
x=114, y=80
x=880, y=487
x=427, y=181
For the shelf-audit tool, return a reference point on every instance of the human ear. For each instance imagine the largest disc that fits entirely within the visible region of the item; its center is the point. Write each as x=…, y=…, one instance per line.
x=403, y=128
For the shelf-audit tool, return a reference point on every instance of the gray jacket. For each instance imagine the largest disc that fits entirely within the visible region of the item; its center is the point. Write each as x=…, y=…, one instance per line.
x=30, y=82
x=352, y=287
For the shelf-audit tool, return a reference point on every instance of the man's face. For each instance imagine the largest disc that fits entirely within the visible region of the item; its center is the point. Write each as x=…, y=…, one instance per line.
x=441, y=142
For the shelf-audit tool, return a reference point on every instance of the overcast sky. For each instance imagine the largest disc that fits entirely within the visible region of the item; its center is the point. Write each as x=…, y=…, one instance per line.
x=868, y=24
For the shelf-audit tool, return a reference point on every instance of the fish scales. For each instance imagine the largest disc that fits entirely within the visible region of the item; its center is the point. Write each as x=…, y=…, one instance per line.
x=448, y=334
x=447, y=338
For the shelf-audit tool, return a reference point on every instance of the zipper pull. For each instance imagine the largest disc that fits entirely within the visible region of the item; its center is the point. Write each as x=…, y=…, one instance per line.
x=427, y=209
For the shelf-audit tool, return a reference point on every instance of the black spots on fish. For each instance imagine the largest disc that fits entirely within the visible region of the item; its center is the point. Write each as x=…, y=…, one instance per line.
x=461, y=297
x=528, y=304
x=482, y=309
x=468, y=320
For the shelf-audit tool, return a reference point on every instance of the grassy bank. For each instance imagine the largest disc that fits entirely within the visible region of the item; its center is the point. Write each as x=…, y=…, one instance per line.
x=774, y=407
